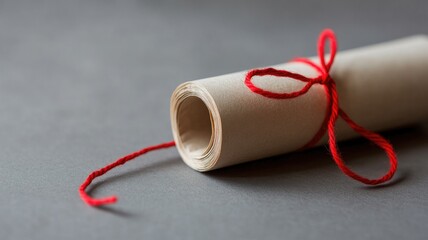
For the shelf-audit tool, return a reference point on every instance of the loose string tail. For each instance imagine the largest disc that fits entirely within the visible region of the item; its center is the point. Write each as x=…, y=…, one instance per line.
x=333, y=111
x=113, y=199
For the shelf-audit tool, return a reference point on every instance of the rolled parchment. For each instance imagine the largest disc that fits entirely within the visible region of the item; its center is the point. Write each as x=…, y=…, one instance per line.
x=218, y=121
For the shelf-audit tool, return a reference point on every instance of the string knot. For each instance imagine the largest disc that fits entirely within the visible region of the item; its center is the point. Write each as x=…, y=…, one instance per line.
x=325, y=79
x=333, y=111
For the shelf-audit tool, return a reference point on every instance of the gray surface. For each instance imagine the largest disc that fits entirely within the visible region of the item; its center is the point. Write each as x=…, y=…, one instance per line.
x=84, y=82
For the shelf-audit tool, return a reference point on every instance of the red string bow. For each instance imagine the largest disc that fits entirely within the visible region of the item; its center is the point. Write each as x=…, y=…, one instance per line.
x=333, y=110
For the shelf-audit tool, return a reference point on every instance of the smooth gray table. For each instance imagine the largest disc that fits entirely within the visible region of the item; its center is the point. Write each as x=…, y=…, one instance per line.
x=84, y=82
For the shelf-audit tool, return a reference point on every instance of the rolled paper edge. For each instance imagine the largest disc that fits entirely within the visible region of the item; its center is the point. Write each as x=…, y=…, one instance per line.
x=208, y=160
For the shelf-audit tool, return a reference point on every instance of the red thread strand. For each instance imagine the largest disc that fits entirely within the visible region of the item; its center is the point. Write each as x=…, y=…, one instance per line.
x=333, y=111
x=113, y=199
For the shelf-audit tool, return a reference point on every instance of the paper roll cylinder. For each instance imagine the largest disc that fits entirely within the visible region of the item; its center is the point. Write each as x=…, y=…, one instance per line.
x=219, y=122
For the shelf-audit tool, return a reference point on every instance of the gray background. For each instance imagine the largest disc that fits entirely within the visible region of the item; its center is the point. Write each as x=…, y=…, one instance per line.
x=85, y=82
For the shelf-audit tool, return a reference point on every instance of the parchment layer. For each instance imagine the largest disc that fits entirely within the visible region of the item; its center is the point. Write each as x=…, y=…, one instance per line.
x=218, y=121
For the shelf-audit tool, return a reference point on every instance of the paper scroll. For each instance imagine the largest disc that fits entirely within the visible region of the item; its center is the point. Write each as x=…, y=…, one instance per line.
x=218, y=121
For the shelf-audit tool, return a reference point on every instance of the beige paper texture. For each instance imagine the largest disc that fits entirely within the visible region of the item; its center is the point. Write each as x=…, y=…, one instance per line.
x=218, y=121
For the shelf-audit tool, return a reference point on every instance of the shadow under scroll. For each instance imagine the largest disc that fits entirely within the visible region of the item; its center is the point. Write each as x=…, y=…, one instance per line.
x=354, y=151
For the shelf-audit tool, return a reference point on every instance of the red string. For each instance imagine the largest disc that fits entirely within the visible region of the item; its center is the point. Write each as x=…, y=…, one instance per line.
x=112, y=199
x=332, y=114
x=333, y=110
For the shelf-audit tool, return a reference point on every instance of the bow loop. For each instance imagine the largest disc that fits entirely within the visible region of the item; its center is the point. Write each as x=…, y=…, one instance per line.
x=327, y=34
x=279, y=73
